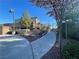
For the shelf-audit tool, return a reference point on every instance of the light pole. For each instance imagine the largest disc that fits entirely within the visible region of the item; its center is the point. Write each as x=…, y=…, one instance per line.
x=65, y=21
x=12, y=11
x=66, y=25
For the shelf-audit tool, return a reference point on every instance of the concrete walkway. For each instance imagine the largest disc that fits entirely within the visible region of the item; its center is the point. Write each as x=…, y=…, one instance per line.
x=43, y=45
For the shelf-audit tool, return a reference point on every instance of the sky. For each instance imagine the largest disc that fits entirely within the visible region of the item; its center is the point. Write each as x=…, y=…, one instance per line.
x=20, y=6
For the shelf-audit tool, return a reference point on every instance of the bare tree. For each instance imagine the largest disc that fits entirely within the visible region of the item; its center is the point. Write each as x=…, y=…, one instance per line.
x=54, y=7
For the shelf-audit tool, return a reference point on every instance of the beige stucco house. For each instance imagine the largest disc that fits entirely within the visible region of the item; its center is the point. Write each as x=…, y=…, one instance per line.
x=4, y=29
x=35, y=22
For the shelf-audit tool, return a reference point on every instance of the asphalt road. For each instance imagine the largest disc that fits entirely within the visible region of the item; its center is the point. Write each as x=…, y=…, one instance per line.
x=15, y=48
x=20, y=48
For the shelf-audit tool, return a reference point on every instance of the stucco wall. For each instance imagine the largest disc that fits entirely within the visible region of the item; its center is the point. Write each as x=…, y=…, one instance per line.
x=5, y=29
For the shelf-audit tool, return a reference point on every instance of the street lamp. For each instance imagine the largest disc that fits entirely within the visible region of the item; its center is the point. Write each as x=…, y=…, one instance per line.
x=65, y=21
x=12, y=11
x=66, y=28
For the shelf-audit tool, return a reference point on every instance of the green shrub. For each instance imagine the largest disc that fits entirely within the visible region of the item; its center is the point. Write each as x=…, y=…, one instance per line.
x=10, y=32
x=71, y=50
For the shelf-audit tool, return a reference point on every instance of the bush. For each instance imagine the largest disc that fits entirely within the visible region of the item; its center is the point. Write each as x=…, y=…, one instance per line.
x=10, y=32
x=71, y=50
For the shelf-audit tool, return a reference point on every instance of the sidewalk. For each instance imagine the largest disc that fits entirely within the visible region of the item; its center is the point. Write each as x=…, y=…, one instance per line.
x=53, y=53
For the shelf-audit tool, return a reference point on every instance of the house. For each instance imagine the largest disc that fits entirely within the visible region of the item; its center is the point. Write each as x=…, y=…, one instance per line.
x=4, y=29
x=35, y=22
